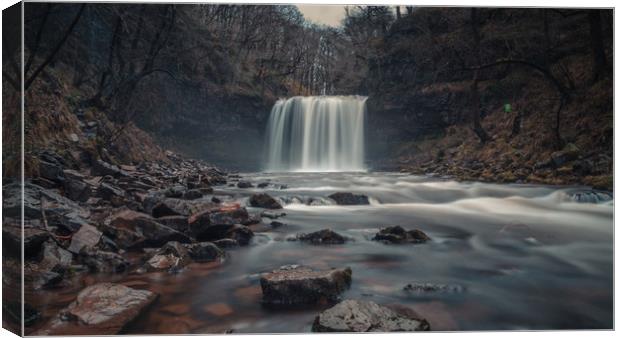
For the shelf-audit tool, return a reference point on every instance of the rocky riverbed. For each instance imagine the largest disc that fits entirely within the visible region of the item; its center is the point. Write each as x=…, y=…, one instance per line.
x=188, y=248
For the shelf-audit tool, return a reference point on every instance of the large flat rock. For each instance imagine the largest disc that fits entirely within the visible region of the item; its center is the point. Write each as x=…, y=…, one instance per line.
x=292, y=285
x=100, y=309
x=366, y=316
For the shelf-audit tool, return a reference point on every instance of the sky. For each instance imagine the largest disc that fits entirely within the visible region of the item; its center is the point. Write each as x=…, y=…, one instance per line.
x=330, y=15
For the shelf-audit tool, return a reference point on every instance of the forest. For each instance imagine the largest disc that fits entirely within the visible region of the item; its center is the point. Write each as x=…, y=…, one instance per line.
x=162, y=142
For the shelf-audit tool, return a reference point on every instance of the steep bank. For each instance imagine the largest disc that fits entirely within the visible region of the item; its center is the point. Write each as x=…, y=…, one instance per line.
x=428, y=94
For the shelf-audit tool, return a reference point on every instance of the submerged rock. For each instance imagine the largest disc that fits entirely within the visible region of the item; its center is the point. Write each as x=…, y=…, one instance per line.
x=205, y=251
x=366, y=316
x=100, y=309
x=347, y=198
x=325, y=236
x=398, y=235
x=240, y=233
x=244, y=185
x=434, y=288
x=292, y=285
x=103, y=261
x=264, y=201
x=171, y=257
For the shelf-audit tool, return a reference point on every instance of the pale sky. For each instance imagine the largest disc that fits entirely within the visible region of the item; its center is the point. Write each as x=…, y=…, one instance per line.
x=323, y=14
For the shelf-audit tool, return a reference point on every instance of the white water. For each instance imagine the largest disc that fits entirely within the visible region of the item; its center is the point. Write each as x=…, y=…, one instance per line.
x=316, y=134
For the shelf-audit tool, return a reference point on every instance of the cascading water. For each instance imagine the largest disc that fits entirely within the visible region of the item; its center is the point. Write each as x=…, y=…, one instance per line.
x=316, y=133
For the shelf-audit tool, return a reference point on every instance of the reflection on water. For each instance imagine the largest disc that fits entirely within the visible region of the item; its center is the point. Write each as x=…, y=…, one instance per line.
x=527, y=257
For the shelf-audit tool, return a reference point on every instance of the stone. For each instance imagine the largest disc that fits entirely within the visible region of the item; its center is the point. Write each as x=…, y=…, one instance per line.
x=171, y=257
x=272, y=215
x=109, y=192
x=102, y=168
x=73, y=137
x=398, y=235
x=131, y=229
x=100, y=309
x=12, y=240
x=192, y=194
x=264, y=201
x=77, y=190
x=244, y=185
x=263, y=185
x=240, y=233
x=292, y=285
x=88, y=236
x=178, y=222
x=433, y=288
x=347, y=198
x=226, y=243
x=100, y=261
x=204, y=251
x=366, y=316
x=214, y=224
x=325, y=236
x=569, y=153
x=51, y=171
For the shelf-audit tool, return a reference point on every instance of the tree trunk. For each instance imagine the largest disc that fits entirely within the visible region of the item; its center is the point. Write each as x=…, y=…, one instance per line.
x=475, y=95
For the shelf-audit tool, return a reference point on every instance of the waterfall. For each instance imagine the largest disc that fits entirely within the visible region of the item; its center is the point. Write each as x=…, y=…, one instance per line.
x=316, y=133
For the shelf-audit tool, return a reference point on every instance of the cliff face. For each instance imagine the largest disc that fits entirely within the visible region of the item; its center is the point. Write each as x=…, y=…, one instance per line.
x=438, y=70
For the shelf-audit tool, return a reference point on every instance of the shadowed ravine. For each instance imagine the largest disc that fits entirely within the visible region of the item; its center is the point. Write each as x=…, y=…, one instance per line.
x=508, y=249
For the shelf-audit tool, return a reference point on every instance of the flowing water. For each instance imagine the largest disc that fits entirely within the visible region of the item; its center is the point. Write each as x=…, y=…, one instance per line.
x=519, y=256
x=316, y=133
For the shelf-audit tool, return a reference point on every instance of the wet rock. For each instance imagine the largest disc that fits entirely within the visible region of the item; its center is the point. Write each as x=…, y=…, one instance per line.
x=398, y=235
x=88, y=236
x=240, y=233
x=51, y=171
x=77, y=190
x=171, y=257
x=264, y=201
x=263, y=185
x=192, y=194
x=325, y=236
x=291, y=285
x=226, y=243
x=433, y=288
x=244, y=185
x=591, y=196
x=272, y=215
x=205, y=251
x=102, y=168
x=276, y=224
x=100, y=261
x=174, y=192
x=131, y=229
x=12, y=240
x=50, y=268
x=14, y=311
x=178, y=223
x=213, y=224
x=111, y=193
x=347, y=198
x=100, y=309
x=366, y=316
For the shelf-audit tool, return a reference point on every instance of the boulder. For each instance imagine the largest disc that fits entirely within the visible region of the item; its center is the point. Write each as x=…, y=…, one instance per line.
x=226, y=243
x=244, y=185
x=263, y=185
x=398, y=235
x=51, y=171
x=325, y=236
x=102, y=168
x=292, y=285
x=241, y=234
x=178, y=223
x=88, y=236
x=12, y=240
x=77, y=190
x=171, y=257
x=192, y=194
x=366, y=316
x=264, y=201
x=50, y=267
x=214, y=224
x=131, y=229
x=204, y=251
x=272, y=215
x=100, y=261
x=347, y=198
x=100, y=309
